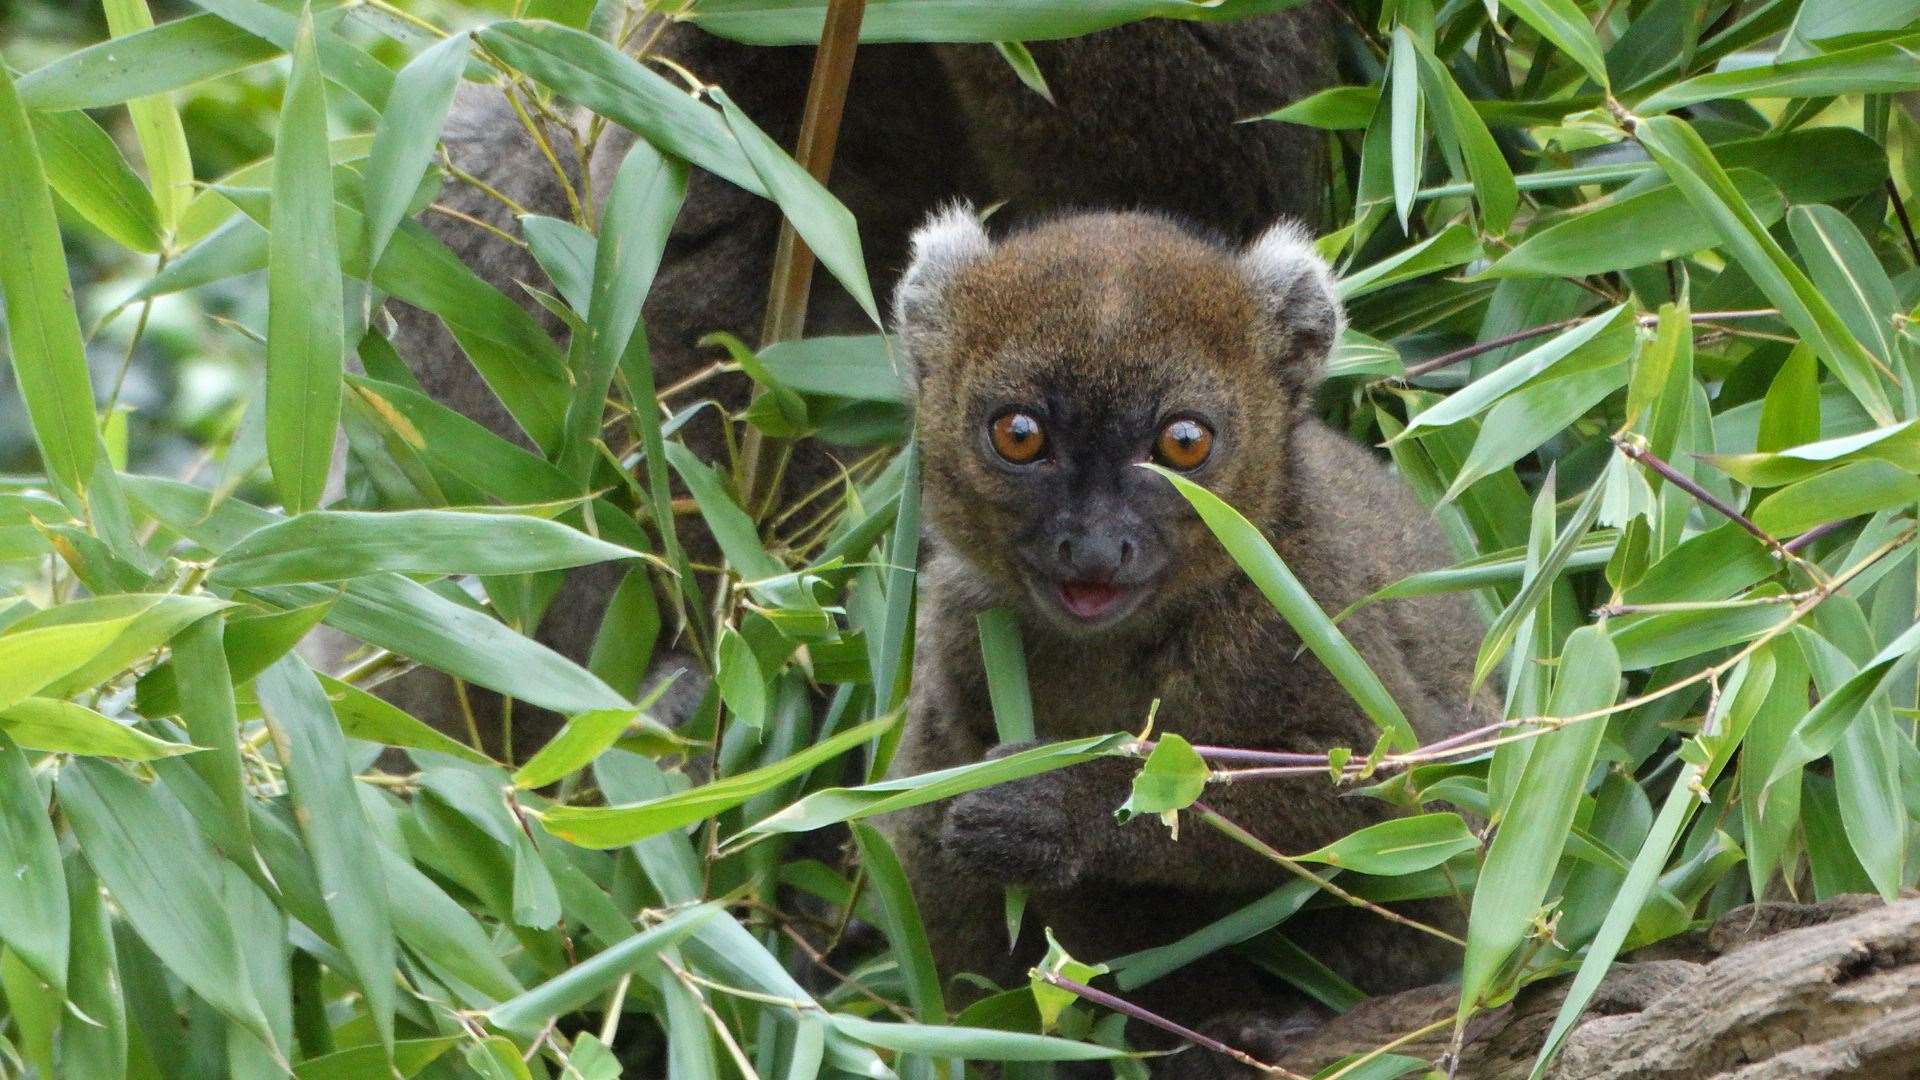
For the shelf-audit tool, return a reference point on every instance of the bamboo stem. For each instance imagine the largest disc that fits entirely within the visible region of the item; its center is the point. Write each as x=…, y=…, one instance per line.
x=793, y=261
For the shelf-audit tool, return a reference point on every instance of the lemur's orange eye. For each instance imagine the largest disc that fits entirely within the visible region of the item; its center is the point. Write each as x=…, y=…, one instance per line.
x=1018, y=437
x=1184, y=445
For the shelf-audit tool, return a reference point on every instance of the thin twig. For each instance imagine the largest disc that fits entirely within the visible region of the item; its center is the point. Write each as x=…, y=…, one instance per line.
x=1146, y=1016
x=1685, y=483
x=1480, y=348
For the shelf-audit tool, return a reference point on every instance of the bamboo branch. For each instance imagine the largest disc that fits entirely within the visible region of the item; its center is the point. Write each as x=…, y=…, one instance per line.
x=1145, y=1016
x=793, y=261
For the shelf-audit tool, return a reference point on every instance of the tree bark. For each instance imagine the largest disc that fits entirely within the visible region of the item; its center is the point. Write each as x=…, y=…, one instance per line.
x=1774, y=991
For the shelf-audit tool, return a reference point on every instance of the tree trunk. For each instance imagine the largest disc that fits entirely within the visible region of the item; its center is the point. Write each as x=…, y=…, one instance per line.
x=1774, y=991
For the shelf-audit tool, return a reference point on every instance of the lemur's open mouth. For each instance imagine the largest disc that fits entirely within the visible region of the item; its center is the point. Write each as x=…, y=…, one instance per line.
x=1091, y=601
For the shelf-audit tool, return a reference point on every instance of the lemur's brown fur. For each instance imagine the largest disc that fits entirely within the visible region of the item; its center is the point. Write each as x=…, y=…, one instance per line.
x=1144, y=115
x=1108, y=323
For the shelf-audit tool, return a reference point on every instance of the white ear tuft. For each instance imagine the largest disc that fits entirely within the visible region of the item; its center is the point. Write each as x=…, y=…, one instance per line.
x=951, y=239
x=1297, y=287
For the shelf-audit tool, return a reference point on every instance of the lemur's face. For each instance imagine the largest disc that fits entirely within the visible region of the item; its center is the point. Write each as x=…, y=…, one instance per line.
x=1073, y=355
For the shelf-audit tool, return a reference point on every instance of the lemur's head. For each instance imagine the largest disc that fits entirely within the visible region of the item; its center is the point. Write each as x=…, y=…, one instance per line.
x=1049, y=365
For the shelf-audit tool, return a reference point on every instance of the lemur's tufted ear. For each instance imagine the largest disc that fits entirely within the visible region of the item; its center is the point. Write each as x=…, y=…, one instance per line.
x=951, y=239
x=1296, y=286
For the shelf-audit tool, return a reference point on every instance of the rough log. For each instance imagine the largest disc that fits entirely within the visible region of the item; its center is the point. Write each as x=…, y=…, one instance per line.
x=1774, y=991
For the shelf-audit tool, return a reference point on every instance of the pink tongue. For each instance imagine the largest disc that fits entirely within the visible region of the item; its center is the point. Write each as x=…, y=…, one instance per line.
x=1089, y=599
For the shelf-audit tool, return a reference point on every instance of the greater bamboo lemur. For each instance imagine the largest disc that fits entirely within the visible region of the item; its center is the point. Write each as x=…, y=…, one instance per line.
x=1048, y=367
x=1143, y=115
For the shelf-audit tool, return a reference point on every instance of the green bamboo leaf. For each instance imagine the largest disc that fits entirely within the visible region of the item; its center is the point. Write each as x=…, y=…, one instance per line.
x=1137, y=969
x=410, y=1058
x=1486, y=166
x=971, y=1044
x=900, y=919
x=1852, y=490
x=833, y=805
x=1507, y=565
x=1865, y=753
x=212, y=719
x=33, y=893
x=88, y=172
x=615, y=826
x=175, y=54
x=1005, y=657
x=1746, y=694
x=515, y=357
x=64, y=727
x=1690, y=164
x=1170, y=780
x=249, y=642
x=732, y=528
x=822, y=221
x=75, y=646
x=342, y=61
x=640, y=211
x=1847, y=272
x=1519, y=866
x=585, y=981
x=1523, y=421
x=1882, y=67
x=536, y=897
x=1596, y=343
x=156, y=123
x=97, y=1048
x=363, y=716
x=1896, y=443
x=1259, y=561
x=335, y=545
x=326, y=807
x=584, y=69
x=1772, y=817
x=1808, y=164
x=587, y=736
x=442, y=934
x=739, y=678
x=49, y=359
x=1337, y=108
x=566, y=252
x=1025, y=67
x=1453, y=246
x=1537, y=588
x=861, y=367
x=1649, y=227
x=405, y=137
x=1398, y=846
x=456, y=446
x=1561, y=22
x=305, y=297
x=1406, y=118
x=162, y=875
x=392, y=611
x=1836, y=20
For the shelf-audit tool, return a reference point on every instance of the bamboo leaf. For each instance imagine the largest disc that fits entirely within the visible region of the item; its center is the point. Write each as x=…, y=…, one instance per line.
x=305, y=298
x=335, y=545
x=327, y=809
x=1519, y=867
x=1290, y=598
x=43, y=332
x=33, y=893
x=405, y=137
x=1691, y=165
